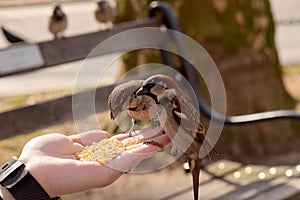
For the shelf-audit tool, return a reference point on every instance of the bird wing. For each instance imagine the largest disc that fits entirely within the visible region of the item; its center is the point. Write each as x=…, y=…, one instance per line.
x=119, y=97
x=185, y=114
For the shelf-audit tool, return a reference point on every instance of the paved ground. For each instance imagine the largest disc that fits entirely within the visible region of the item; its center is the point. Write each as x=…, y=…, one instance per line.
x=221, y=180
x=30, y=22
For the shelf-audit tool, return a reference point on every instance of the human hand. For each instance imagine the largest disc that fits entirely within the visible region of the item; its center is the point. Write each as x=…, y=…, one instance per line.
x=51, y=160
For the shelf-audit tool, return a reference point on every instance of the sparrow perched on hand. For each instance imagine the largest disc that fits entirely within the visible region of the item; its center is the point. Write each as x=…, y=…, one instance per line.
x=104, y=12
x=57, y=21
x=123, y=101
x=179, y=119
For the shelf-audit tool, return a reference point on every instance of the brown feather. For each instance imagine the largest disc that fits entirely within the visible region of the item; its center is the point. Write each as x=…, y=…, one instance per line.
x=180, y=120
x=177, y=115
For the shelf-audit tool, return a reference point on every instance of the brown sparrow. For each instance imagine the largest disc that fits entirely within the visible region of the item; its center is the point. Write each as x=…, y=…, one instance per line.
x=57, y=21
x=179, y=119
x=104, y=12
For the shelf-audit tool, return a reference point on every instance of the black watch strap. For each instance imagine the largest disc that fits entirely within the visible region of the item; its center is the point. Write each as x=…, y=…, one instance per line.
x=20, y=183
x=28, y=188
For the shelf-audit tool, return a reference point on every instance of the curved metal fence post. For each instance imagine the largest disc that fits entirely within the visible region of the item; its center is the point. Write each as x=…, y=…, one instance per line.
x=171, y=22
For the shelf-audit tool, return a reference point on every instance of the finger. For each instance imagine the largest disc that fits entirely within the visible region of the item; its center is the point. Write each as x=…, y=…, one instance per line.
x=150, y=132
x=77, y=147
x=127, y=161
x=142, y=135
x=163, y=140
x=89, y=137
x=145, y=134
x=120, y=136
x=130, y=159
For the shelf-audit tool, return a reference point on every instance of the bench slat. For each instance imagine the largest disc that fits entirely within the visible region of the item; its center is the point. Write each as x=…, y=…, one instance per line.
x=30, y=118
x=28, y=57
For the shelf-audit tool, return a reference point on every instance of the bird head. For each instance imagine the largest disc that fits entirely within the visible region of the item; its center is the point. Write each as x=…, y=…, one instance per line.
x=103, y=5
x=57, y=12
x=153, y=88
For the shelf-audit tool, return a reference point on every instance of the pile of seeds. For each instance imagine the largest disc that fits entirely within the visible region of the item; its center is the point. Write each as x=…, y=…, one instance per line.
x=104, y=150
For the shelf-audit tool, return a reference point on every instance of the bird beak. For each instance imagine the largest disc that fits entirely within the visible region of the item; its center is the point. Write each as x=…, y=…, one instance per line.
x=145, y=89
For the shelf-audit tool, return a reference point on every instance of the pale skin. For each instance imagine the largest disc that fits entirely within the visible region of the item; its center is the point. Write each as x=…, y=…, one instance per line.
x=50, y=159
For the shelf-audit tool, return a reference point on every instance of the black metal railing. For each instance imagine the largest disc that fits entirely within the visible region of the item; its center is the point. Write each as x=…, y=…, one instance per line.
x=171, y=22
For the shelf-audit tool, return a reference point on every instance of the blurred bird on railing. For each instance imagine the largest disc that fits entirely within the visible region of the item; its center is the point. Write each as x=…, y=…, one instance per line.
x=105, y=13
x=57, y=21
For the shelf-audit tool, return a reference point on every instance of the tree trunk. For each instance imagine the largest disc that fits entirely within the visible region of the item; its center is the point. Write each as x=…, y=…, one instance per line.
x=239, y=35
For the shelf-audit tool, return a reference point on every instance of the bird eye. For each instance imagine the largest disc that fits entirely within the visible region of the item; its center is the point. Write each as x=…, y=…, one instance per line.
x=163, y=86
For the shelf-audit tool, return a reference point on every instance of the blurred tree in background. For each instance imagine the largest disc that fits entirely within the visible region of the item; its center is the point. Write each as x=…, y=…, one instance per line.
x=239, y=35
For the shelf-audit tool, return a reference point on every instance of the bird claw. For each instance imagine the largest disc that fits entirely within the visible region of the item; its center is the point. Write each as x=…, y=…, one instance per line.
x=132, y=133
x=154, y=143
